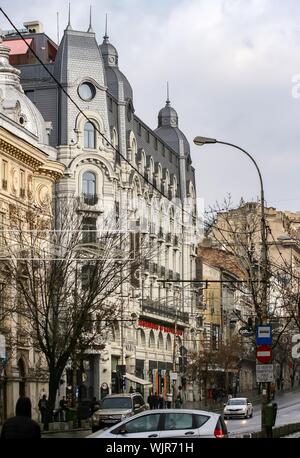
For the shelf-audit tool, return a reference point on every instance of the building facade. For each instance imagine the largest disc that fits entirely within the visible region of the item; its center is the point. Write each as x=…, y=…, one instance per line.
x=28, y=171
x=116, y=165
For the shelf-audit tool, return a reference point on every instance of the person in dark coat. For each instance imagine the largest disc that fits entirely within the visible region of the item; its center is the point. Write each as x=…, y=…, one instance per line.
x=43, y=407
x=160, y=402
x=155, y=401
x=150, y=400
x=21, y=426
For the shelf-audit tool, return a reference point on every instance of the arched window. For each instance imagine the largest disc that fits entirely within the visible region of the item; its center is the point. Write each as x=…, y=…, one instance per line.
x=141, y=339
x=169, y=343
x=89, y=135
x=89, y=188
x=160, y=343
x=151, y=339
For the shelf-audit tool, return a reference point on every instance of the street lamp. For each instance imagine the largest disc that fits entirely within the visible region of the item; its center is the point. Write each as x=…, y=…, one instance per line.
x=263, y=313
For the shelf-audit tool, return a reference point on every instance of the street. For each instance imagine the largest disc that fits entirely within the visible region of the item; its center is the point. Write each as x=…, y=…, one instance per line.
x=288, y=412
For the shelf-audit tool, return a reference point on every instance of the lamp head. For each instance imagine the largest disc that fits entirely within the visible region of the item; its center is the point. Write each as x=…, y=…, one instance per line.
x=204, y=140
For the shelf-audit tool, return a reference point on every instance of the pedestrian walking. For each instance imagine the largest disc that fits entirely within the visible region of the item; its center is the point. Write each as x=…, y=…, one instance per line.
x=42, y=407
x=169, y=400
x=150, y=400
x=178, y=402
x=63, y=409
x=21, y=426
x=155, y=401
x=161, y=402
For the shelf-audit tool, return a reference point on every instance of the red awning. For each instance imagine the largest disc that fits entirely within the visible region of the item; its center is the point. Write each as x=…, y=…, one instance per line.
x=17, y=47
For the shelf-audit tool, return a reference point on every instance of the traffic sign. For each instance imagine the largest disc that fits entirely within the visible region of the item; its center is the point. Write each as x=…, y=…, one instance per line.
x=263, y=353
x=264, y=373
x=246, y=332
x=264, y=334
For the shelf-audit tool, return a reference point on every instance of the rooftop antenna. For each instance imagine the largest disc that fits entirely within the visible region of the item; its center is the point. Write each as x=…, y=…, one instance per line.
x=69, y=27
x=168, y=98
x=90, y=29
x=105, y=36
x=57, y=25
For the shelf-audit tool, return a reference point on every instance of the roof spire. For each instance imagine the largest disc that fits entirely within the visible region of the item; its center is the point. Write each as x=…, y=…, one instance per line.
x=168, y=98
x=69, y=27
x=90, y=29
x=106, y=36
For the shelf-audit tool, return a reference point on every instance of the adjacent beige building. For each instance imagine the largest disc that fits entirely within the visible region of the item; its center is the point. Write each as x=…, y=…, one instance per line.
x=28, y=169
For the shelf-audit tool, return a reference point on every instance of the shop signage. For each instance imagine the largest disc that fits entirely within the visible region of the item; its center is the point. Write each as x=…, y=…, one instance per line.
x=159, y=327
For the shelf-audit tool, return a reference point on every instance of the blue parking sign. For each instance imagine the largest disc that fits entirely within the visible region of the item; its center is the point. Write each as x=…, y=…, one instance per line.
x=264, y=334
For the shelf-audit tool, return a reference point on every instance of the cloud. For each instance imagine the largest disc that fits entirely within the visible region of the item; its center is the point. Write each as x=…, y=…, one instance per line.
x=230, y=65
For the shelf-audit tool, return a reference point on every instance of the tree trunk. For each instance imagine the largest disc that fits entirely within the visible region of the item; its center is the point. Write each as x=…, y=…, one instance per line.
x=205, y=390
x=53, y=387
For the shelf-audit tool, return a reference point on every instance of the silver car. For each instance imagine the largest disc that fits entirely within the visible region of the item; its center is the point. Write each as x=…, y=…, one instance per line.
x=116, y=407
x=238, y=408
x=167, y=423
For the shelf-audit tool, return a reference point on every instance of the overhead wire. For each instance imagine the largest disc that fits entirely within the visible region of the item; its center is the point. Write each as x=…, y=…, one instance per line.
x=96, y=128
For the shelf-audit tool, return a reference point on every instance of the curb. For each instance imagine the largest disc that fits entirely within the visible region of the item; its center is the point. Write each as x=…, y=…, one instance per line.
x=55, y=431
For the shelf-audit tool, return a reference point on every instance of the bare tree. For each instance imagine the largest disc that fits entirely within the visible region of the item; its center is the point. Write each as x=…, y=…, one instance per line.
x=202, y=368
x=68, y=278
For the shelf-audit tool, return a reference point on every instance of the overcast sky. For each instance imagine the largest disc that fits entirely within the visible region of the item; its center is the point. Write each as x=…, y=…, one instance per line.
x=233, y=67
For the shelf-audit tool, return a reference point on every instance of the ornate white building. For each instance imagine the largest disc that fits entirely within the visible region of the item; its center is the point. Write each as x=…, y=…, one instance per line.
x=107, y=182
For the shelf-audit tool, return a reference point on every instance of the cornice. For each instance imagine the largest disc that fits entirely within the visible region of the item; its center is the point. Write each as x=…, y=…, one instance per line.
x=21, y=151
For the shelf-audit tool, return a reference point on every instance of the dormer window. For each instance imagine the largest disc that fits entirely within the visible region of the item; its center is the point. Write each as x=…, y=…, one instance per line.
x=89, y=135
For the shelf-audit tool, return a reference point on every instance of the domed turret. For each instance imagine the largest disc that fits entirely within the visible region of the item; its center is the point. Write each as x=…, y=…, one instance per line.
x=168, y=116
x=13, y=102
x=109, y=53
x=168, y=129
x=113, y=75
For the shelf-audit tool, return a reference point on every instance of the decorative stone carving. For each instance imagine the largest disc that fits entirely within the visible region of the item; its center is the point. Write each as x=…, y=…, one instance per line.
x=14, y=180
x=30, y=187
x=43, y=196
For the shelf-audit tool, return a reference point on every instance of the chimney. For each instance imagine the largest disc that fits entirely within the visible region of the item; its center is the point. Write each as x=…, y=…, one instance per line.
x=34, y=26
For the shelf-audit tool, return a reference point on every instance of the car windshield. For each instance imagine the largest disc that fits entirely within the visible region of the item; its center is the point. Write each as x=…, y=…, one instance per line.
x=236, y=402
x=116, y=403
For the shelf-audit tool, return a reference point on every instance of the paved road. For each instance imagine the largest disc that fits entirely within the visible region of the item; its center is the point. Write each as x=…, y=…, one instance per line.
x=288, y=412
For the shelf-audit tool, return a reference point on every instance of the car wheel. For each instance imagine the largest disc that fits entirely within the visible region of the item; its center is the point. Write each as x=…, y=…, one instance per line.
x=225, y=418
x=251, y=414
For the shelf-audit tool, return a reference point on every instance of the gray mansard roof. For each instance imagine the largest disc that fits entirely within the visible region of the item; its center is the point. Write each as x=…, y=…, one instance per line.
x=75, y=47
x=113, y=75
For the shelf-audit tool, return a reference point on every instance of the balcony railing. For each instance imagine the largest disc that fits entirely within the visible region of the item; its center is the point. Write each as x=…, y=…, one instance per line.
x=169, y=274
x=153, y=268
x=159, y=309
x=176, y=240
x=90, y=199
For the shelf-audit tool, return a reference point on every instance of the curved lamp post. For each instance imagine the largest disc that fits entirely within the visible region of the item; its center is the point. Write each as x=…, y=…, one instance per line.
x=263, y=315
x=264, y=246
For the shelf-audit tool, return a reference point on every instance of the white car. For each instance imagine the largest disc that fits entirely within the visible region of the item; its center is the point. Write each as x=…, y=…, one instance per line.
x=238, y=407
x=167, y=423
